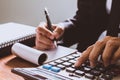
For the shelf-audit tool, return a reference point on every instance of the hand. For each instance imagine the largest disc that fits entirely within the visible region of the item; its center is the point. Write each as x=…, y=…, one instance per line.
x=44, y=37
x=108, y=48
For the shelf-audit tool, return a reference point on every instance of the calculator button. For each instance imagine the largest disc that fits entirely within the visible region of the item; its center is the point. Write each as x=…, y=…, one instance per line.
x=53, y=63
x=61, y=66
x=76, y=58
x=55, y=69
x=59, y=61
x=70, y=57
x=78, y=72
x=87, y=70
x=72, y=61
x=70, y=69
x=64, y=59
x=89, y=76
x=75, y=55
x=67, y=64
x=47, y=66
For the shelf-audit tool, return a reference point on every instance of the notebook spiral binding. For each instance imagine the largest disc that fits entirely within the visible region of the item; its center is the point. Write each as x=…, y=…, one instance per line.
x=5, y=47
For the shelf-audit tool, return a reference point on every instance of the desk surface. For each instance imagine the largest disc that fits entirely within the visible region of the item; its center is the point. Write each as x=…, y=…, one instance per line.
x=9, y=62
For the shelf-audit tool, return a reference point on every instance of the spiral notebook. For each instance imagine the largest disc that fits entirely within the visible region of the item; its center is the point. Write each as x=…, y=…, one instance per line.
x=11, y=33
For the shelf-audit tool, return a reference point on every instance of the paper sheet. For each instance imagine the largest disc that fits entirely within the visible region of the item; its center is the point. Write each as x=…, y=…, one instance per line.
x=36, y=56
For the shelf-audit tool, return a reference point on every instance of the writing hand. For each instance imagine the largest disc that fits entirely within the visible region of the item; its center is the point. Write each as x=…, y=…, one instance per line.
x=44, y=37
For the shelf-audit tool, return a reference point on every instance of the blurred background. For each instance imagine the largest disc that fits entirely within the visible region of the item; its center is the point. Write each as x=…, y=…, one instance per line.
x=31, y=12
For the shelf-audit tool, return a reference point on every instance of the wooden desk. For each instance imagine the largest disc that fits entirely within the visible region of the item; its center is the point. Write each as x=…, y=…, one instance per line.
x=9, y=62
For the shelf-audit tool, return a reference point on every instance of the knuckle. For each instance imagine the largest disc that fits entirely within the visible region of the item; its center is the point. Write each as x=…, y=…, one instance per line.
x=99, y=43
x=107, y=37
x=59, y=31
x=39, y=28
x=90, y=47
x=111, y=43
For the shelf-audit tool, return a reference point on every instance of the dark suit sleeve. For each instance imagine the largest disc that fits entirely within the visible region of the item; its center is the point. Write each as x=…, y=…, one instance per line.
x=75, y=28
x=81, y=27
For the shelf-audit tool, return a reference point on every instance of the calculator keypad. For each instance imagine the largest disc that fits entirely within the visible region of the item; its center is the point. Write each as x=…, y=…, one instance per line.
x=67, y=64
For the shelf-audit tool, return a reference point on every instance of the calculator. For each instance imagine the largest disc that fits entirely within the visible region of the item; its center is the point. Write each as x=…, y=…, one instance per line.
x=63, y=69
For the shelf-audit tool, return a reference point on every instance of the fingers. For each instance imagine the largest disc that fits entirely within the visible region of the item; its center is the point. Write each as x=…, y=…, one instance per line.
x=44, y=37
x=43, y=43
x=96, y=51
x=44, y=31
x=57, y=33
x=83, y=57
x=116, y=56
x=42, y=46
x=111, y=46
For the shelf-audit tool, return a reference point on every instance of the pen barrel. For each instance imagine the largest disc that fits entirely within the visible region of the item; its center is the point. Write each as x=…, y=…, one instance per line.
x=49, y=25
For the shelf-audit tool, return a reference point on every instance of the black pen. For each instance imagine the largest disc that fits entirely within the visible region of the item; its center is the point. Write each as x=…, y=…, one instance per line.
x=49, y=24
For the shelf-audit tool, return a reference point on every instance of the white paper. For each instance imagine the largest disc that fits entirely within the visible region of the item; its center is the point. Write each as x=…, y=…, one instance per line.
x=58, y=52
x=33, y=55
x=28, y=53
